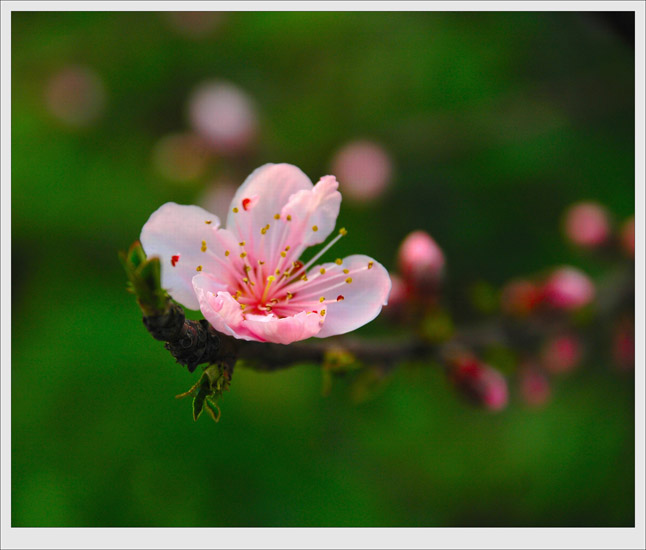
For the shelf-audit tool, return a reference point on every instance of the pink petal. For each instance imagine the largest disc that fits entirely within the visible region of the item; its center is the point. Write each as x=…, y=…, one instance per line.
x=225, y=314
x=219, y=307
x=347, y=305
x=263, y=195
x=269, y=328
x=178, y=234
x=314, y=213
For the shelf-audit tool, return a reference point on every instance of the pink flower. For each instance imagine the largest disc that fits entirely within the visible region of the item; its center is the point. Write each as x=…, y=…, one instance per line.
x=587, y=225
x=421, y=260
x=364, y=170
x=247, y=278
x=568, y=288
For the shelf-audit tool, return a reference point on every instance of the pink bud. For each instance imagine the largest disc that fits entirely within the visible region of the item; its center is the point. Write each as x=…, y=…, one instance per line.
x=534, y=386
x=76, y=96
x=181, y=158
x=561, y=353
x=479, y=382
x=421, y=260
x=587, y=224
x=623, y=345
x=363, y=170
x=627, y=237
x=568, y=288
x=224, y=116
x=519, y=297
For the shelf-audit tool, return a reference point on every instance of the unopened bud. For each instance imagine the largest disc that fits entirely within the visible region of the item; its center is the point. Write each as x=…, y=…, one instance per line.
x=562, y=353
x=421, y=260
x=587, y=224
x=568, y=288
x=479, y=383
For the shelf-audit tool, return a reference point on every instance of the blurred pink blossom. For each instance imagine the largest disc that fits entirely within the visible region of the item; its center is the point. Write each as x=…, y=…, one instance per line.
x=561, y=353
x=568, y=288
x=180, y=158
x=224, y=116
x=421, y=260
x=76, y=96
x=627, y=237
x=534, y=386
x=587, y=224
x=480, y=383
x=520, y=297
x=364, y=170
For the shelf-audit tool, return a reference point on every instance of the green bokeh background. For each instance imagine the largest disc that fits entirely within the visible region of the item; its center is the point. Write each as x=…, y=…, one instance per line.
x=496, y=122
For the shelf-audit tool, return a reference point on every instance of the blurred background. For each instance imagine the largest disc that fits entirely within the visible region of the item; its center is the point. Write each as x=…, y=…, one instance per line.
x=479, y=128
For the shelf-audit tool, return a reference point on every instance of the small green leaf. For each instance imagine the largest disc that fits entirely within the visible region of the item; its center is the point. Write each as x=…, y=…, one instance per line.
x=136, y=254
x=213, y=410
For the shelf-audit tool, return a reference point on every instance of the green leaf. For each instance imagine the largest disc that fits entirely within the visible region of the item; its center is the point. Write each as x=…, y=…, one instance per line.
x=136, y=254
x=213, y=410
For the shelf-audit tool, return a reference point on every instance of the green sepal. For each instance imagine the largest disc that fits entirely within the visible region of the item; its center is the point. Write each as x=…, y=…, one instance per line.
x=202, y=393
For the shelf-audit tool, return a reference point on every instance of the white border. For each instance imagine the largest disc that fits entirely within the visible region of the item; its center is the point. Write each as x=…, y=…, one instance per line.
x=321, y=538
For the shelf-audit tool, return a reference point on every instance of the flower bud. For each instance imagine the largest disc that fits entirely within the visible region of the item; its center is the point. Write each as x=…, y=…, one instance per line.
x=479, y=383
x=561, y=353
x=363, y=169
x=534, y=386
x=224, y=116
x=519, y=297
x=76, y=96
x=587, y=224
x=627, y=237
x=568, y=288
x=421, y=260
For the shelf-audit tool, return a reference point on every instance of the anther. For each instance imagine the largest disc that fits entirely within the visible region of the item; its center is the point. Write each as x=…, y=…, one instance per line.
x=322, y=299
x=348, y=280
x=277, y=216
x=340, y=298
x=322, y=271
x=343, y=231
x=370, y=264
x=346, y=271
x=174, y=260
x=226, y=252
x=241, y=243
x=338, y=261
x=283, y=253
x=198, y=268
x=208, y=222
x=243, y=254
x=235, y=209
x=322, y=312
x=289, y=218
x=245, y=203
x=315, y=228
x=203, y=246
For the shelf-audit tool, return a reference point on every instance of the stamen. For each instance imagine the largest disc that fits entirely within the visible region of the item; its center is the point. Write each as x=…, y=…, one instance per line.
x=203, y=246
x=270, y=280
x=174, y=260
x=348, y=280
x=343, y=231
x=277, y=216
x=235, y=209
x=245, y=203
x=198, y=268
x=208, y=222
x=289, y=218
x=226, y=252
x=346, y=271
x=322, y=271
x=370, y=264
x=338, y=261
x=322, y=312
x=283, y=253
x=315, y=228
x=241, y=243
x=243, y=255
x=340, y=298
x=322, y=299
